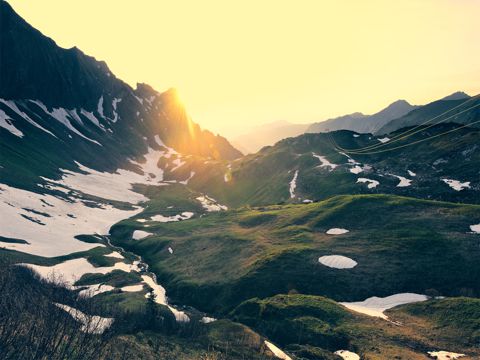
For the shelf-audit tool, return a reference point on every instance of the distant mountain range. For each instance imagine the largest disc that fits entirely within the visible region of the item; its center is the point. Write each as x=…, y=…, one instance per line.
x=446, y=110
x=364, y=123
x=395, y=116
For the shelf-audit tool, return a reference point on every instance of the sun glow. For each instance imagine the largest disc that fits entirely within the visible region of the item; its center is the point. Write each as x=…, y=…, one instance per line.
x=239, y=64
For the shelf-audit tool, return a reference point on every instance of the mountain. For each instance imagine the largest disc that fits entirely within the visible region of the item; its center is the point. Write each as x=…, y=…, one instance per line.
x=139, y=235
x=267, y=134
x=448, y=109
x=73, y=103
x=459, y=95
x=364, y=123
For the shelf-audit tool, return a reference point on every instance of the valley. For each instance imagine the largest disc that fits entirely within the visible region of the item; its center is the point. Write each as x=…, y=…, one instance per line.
x=128, y=231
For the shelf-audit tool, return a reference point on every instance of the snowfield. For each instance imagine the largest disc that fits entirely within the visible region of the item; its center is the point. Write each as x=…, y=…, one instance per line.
x=457, y=185
x=49, y=223
x=375, y=306
x=371, y=183
x=337, y=261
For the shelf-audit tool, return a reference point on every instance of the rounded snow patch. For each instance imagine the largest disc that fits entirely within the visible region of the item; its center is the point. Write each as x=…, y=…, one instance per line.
x=475, y=228
x=337, y=262
x=337, y=231
x=140, y=234
x=347, y=355
x=445, y=355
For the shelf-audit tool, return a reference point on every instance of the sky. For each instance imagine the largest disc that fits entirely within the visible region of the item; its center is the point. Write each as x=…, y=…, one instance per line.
x=238, y=64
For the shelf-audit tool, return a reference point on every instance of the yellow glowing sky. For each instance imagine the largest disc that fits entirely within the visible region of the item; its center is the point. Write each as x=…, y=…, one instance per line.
x=243, y=63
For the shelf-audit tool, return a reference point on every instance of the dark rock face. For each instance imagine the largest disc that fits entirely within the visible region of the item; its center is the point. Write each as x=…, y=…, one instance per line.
x=34, y=67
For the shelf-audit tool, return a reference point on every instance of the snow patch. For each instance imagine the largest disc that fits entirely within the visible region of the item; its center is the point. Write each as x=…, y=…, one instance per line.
x=183, y=216
x=210, y=204
x=384, y=140
x=293, y=185
x=132, y=288
x=20, y=113
x=178, y=164
x=161, y=298
x=371, y=183
x=375, y=306
x=90, y=324
x=347, y=355
x=93, y=119
x=445, y=355
x=475, y=228
x=337, y=231
x=93, y=290
x=207, y=320
x=324, y=162
x=115, y=102
x=185, y=182
x=61, y=115
x=115, y=255
x=404, y=182
x=337, y=262
x=6, y=123
x=411, y=173
x=140, y=234
x=457, y=185
x=70, y=271
x=276, y=351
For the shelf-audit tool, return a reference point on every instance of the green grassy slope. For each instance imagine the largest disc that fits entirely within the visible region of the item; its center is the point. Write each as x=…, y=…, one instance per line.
x=263, y=178
x=400, y=244
x=308, y=325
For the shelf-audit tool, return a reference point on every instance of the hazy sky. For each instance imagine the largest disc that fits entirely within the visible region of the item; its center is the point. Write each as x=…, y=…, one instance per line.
x=243, y=63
